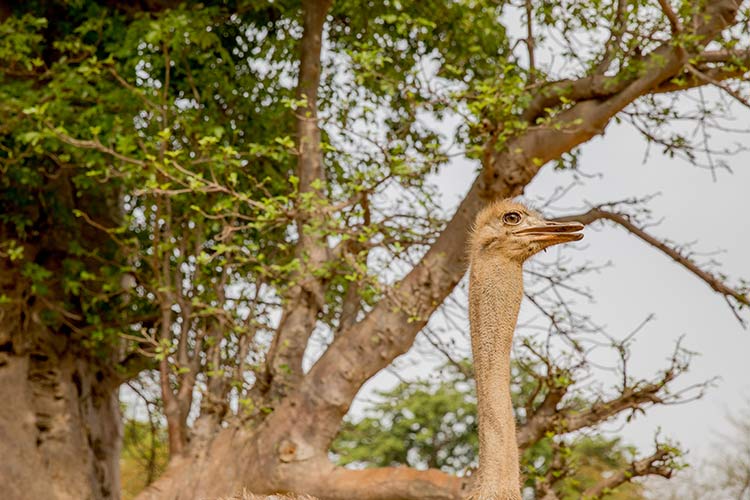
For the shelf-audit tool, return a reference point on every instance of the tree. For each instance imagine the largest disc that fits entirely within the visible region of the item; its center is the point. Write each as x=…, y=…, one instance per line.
x=426, y=423
x=72, y=233
x=203, y=193
x=63, y=426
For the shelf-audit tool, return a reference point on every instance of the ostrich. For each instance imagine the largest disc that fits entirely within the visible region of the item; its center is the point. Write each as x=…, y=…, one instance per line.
x=505, y=235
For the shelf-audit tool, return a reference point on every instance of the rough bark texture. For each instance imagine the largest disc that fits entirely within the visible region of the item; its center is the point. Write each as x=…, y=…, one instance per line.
x=60, y=427
x=250, y=496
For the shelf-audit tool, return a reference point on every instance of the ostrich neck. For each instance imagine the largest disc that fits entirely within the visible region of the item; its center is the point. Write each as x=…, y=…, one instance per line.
x=495, y=292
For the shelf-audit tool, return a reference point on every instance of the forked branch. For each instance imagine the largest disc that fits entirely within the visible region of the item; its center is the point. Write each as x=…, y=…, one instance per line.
x=390, y=327
x=674, y=21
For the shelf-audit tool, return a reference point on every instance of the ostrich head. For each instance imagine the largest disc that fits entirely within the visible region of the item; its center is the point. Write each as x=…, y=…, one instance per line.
x=509, y=229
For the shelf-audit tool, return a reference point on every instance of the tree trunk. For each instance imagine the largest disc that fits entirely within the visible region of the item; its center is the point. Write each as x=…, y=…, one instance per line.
x=60, y=422
x=60, y=428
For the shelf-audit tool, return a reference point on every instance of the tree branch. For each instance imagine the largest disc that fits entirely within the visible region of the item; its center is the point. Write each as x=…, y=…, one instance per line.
x=304, y=299
x=539, y=421
x=530, y=44
x=714, y=282
x=390, y=483
x=615, y=37
x=94, y=144
x=659, y=463
x=713, y=81
x=598, y=86
x=739, y=56
x=568, y=420
x=689, y=80
x=674, y=21
x=633, y=396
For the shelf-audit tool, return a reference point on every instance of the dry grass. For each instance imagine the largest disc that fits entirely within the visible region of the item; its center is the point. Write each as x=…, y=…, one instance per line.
x=251, y=496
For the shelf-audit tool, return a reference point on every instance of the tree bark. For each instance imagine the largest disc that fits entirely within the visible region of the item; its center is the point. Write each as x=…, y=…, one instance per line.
x=60, y=422
x=60, y=426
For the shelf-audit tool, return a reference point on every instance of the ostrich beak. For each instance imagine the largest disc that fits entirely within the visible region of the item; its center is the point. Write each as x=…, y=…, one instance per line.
x=552, y=233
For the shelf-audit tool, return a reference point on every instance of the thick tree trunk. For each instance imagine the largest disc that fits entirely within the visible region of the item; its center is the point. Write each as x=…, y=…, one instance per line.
x=60, y=425
x=276, y=459
x=59, y=431
x=59, y=416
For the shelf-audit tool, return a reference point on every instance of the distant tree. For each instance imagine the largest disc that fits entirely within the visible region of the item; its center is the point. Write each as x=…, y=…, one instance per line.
x=428, y=423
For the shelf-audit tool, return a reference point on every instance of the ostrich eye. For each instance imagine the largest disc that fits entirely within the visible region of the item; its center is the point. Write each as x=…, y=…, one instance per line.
x=512, y=218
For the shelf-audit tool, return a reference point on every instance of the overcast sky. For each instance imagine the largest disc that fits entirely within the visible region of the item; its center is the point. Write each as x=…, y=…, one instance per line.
x=642, y=280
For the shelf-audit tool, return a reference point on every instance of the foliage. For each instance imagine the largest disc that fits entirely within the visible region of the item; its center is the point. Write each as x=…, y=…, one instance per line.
x=425, y=423
x=595, y=458
x=147, y=108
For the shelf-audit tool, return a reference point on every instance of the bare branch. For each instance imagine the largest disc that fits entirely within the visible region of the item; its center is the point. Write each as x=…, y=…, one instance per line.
x=530, y=45
x=390, y=328
x=714, y=282
x=633, y=396
x=713, y=81
x=568, y=419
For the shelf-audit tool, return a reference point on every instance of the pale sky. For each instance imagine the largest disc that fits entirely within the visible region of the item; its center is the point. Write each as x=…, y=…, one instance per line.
x=642, y=280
